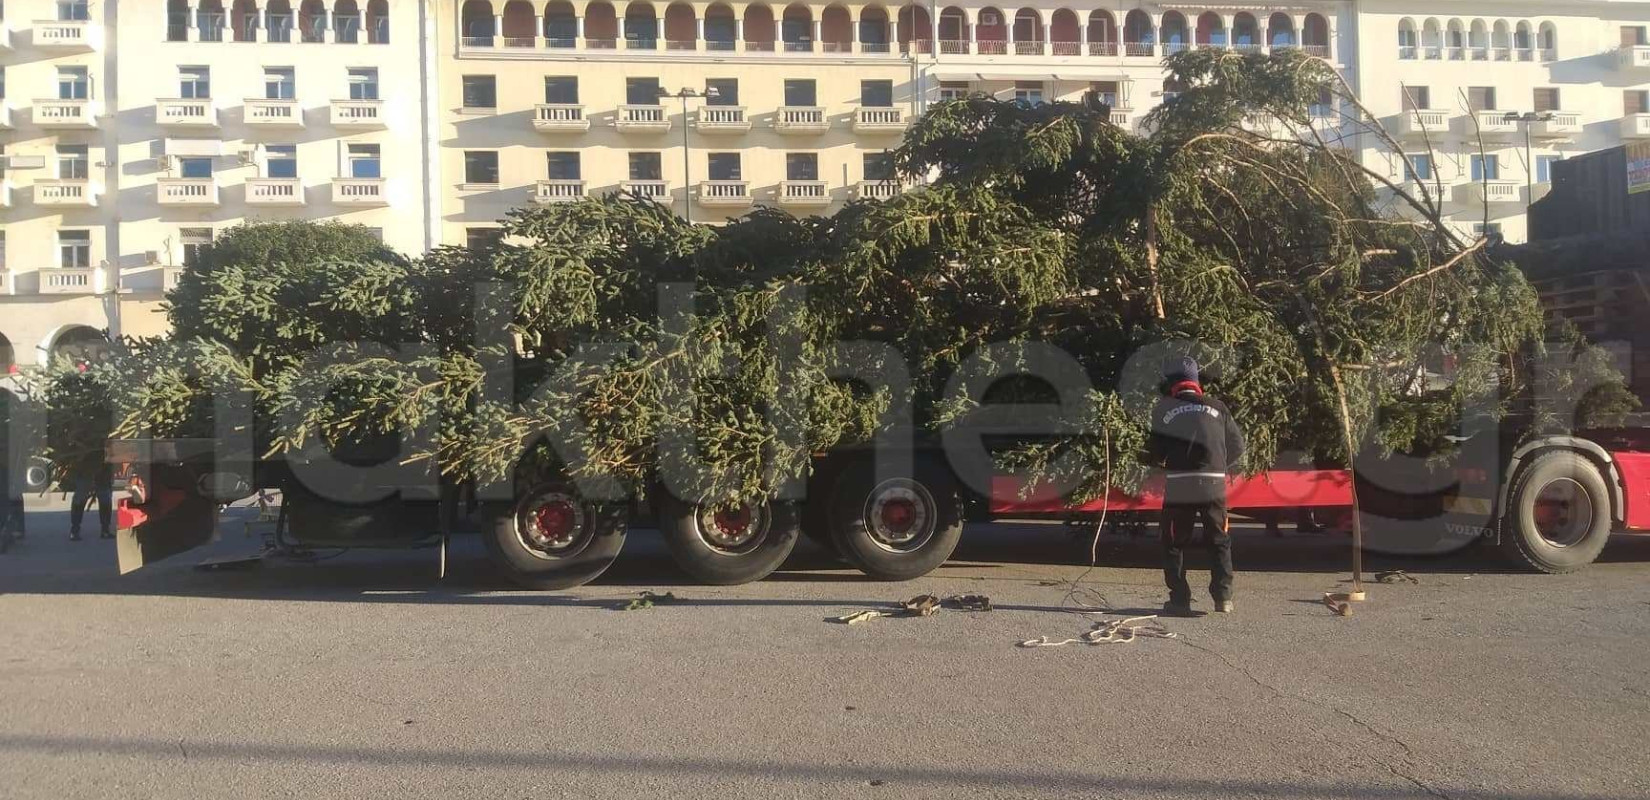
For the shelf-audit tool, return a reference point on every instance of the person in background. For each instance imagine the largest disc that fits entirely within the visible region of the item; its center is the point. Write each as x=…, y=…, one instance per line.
x=92, y=482
x=1196, y=440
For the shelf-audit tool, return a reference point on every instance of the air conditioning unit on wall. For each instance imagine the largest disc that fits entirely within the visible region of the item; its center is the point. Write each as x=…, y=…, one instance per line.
x=990, y=18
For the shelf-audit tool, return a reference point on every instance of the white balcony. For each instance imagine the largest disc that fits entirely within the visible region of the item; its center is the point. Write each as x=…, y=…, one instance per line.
x=67, y=35
x=186, y=113
x=724, y=193
x=1539, y=190
x=71, y=280
x=558, y=191
x=642, y=119
x=1490, y=125
x=5, y=36
x=560, y=118
x=1120, y=117
x=1493, y=192
x=723, y=119
x=5, y=193
x=274, y=192
x=877, y=190
x=1416, y=123
x=187, y=192
x=804, y=193
x=801, y=120
x=359, y=192
x=5, y=115
x=1633, y=58
x=8, y=283
x=1558, y=125
x=272, y=113
x=650, y=190
x=879, y=120
x=1635, y=126
x=65, y=114
x=169, y=277
x=55, y=193
x=358, y=114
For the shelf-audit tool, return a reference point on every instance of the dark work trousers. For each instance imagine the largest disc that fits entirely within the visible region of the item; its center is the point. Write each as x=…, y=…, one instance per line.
x=1186, y=503
x=98, y=487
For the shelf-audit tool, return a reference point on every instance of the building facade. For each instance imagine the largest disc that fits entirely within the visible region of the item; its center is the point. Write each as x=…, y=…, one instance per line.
x=133, y=131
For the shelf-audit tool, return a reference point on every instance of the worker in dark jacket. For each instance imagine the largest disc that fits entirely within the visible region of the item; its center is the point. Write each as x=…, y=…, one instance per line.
x=1196, y=440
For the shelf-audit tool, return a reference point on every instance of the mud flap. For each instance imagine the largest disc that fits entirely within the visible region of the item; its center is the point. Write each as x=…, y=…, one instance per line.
x=185, y=526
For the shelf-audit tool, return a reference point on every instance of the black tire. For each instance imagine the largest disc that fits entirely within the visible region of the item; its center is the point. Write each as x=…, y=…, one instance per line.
x=1558, y=514
x=551, y=538
x=729, y=546
x=898, y=528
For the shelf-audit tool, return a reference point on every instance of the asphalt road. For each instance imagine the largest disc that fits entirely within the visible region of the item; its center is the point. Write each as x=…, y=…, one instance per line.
x=362, y=676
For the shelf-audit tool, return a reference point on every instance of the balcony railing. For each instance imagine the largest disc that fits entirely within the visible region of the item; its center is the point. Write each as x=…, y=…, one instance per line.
x=192, y=113
x=1558, y=125
x=1417, y=123
x=642, y=119
x=64, y=114
x=358, y=114
x=1028, y=48
x=647, y=189
x=1635, y=57
x=1139, y=49
x=558, y=191
x=192, y=192
x=804, y=193
x=1491, y=123
x=724, y=193
x=953, y=47
x=879, y=120
x=801, y=120
x=1065, y=48
x=1106, y=49
x=66, y=34
x=272, y=113
x=64, y=193
x=991, y=47
x=559, y=118
x=71, y=280
x=359, y=192
x=722, y=119
x=1316, y=50
x=877, y=190
x=1635, y=126
x=274, y=192
x=1496, y=191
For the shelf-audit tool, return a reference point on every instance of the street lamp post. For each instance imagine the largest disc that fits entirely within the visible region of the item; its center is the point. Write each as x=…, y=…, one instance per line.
x=1527, y=119
x=687, y=152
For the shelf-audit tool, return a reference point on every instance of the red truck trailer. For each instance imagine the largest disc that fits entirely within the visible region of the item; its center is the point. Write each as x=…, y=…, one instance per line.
x=1551, y=503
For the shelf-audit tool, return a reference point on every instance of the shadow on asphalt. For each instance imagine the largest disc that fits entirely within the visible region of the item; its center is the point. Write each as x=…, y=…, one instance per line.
x=809, y=773
x=46, y=563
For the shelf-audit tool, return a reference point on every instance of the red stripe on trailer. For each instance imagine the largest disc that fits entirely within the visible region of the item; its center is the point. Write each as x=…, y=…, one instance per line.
x=1275, y=489
x=1635, y=487
x=128, y=518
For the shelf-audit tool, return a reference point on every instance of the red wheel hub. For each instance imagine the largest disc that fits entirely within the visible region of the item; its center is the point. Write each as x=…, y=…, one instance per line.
x=554, y=521
x=898, y=515
x=733, y=521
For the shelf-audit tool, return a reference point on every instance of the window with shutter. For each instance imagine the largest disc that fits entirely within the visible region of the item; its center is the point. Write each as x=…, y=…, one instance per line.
x=1546, y=99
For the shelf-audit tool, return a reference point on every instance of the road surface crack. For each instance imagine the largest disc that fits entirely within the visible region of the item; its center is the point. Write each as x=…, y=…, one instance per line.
x=1409, y=753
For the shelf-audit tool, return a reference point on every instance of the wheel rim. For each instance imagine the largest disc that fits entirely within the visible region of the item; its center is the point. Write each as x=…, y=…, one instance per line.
x=732, y=530
x=1563, y=512
x=900, y=515
x=552, y=524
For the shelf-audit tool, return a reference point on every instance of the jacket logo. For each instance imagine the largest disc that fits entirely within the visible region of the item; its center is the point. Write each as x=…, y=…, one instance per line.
x=1214, y=413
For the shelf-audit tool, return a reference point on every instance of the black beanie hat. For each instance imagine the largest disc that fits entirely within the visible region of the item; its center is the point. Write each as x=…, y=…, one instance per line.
x=1183, y=368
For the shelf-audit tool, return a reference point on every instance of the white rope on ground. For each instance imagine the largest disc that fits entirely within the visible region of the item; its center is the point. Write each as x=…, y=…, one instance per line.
x=1119, y=631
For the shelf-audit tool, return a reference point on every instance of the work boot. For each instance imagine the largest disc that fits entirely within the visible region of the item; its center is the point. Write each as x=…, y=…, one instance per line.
x=1181, y=610
x=1223, y=606
x=74, y=536
x=106, y=535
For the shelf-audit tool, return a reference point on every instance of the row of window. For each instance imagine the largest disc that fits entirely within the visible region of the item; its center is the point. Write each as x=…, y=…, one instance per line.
x=1542, y=99
x=1482, y=167
x=481, y=167
x=481, y=92
x=195, y=83
x=209, y=23
x=1478, y=40
x=362, y=160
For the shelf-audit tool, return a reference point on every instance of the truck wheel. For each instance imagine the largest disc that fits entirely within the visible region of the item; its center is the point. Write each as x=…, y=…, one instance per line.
x=550, y=538
x=897, y=528
x=726, y=546
x=1558, y=516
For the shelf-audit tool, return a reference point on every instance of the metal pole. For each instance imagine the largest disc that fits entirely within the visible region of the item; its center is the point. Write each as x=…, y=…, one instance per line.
x=1529, y=176
x=687, y=157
